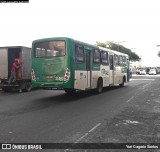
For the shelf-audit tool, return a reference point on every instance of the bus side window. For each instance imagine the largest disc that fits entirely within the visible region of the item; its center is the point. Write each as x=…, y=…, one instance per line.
x=120, y=60
x=116, y=59
x=96, y=58
x=124, y=60
x=79, y=53
x=104, y=57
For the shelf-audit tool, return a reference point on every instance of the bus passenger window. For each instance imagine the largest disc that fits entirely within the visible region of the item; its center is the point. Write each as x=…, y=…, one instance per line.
x=79, y=54
x=120, y=60
x=124, y=60
x=96, y=56
x=38, y=52
x=57, y=47
x=50, y=48
x=104, y=57
x=116, y=59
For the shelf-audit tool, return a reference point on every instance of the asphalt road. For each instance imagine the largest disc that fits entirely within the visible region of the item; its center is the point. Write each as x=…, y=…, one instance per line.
x=46, y=116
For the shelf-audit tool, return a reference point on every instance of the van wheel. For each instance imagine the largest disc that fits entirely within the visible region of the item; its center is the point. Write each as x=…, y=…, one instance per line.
x=28, y=86
x=99, y=86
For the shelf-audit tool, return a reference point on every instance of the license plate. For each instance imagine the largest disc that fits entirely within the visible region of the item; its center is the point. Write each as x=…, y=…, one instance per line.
x=49, y=77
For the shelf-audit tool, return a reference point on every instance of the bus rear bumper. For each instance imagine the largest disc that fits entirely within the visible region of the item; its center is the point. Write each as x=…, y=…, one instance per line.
x=48, y=86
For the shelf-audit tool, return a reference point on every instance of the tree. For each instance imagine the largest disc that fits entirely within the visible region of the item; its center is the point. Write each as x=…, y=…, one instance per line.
x=110, y=45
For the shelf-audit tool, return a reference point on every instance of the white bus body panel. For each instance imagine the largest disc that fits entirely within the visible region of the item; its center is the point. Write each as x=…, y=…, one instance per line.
x=81, y=80
x=118, y=75
x=3, y=63
x=111, y=77
x=105, y=74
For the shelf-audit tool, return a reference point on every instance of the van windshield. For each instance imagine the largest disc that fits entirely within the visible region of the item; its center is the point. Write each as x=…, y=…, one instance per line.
x=50, y=48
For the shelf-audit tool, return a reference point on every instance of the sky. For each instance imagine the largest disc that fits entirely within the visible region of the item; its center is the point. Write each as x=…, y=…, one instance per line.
x=137, y=22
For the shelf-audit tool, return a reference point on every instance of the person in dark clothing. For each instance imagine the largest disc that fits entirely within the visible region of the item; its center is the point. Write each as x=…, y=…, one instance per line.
x=15, y=67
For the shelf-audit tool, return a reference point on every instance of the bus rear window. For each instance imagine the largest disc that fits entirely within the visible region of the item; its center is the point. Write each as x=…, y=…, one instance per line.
x=50, y=48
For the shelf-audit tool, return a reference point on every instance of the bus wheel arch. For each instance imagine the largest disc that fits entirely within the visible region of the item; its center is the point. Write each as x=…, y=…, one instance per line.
x=70, y=91
x=124, y=80
x=99, y=88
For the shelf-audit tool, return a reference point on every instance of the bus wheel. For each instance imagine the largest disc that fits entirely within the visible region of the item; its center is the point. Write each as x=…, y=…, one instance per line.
x=70, y=91
x=99, y=86
x=122, y=84
x=28, y=86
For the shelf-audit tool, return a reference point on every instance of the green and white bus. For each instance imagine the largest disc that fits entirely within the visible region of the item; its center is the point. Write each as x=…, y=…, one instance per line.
x=66, y=64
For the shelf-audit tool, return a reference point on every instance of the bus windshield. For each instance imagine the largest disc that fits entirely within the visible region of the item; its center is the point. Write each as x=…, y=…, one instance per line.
x=50, y=48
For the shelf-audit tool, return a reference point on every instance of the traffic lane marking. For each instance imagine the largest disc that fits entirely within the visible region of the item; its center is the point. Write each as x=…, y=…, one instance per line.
x=130, y=99
x=85, y=135
x=95, y=127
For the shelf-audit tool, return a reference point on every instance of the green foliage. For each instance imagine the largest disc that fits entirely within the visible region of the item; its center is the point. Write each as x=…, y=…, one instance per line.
x=101, y=44
x=132, y=55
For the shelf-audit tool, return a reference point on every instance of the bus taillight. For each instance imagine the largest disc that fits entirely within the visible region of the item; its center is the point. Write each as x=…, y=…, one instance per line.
x=67, y=74
x=33, y=75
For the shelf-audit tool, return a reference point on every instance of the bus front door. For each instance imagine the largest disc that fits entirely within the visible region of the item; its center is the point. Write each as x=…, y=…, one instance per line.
x=111, y=73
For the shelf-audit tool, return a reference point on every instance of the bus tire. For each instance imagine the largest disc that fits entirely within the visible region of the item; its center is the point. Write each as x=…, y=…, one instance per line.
x=28, y=86
x=122, y=84
x=99, y=86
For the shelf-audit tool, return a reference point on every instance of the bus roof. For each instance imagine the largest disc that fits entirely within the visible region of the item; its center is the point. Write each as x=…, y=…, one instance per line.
x=64, y=38
x=51, y=38
x=77, y=41
x=113, y=51
x=15, y=47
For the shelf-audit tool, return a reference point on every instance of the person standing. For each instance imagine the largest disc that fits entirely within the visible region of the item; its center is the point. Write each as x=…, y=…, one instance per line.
x=14, y=72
